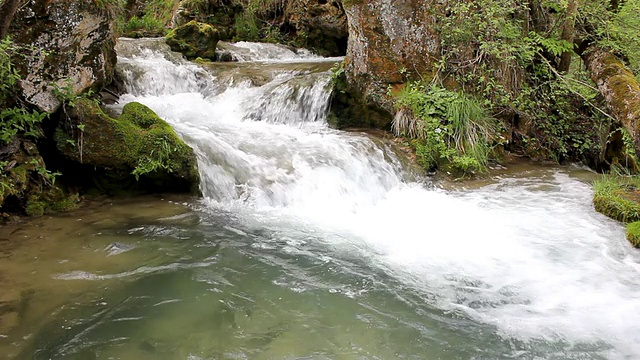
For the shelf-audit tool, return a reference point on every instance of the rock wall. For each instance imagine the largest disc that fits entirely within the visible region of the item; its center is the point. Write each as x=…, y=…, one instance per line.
x=68, y=45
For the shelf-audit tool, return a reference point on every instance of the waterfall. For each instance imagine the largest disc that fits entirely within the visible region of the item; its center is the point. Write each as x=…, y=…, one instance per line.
x=529, y=258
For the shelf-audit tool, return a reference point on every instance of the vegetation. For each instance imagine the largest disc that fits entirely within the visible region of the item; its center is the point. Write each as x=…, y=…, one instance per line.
x=524, y=61
x=618, y=197
x=153, y=19
x=449, y=129
x=633, y=233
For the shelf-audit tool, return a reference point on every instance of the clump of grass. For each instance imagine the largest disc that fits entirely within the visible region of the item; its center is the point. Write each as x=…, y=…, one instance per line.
x=633, y=233
x=449, y=129
x=618, y=197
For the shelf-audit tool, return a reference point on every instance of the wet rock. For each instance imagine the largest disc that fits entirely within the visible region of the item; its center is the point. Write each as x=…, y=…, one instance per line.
x=137, y=145
x=69, y=45
x=194, y=40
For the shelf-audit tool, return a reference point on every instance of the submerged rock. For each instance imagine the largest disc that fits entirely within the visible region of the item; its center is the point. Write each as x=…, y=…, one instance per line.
x=194, y=40
x=68, y=48
x=138, y=145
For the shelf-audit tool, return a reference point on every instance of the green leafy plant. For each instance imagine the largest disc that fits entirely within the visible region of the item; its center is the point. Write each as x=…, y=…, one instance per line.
x=18, y=120
x=448, y=128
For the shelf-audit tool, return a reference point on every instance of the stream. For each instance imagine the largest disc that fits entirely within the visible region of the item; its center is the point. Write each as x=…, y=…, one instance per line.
x=312, y=243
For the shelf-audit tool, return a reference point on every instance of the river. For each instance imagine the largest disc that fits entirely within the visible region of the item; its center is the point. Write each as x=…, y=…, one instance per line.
x=312, y=243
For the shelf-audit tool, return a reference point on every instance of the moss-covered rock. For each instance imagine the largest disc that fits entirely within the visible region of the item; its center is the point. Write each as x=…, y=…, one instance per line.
x=26, y=185
x=194, y=40
x=633, y=233
x=618, y=198
x=137, y=145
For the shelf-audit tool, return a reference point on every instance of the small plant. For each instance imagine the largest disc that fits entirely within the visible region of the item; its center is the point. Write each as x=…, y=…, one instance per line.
x=449, y=128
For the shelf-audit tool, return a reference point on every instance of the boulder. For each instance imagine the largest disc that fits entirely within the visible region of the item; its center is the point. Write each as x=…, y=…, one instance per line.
x=138, y=145
x=68, y=49
x=389, y=42
x=194, y=40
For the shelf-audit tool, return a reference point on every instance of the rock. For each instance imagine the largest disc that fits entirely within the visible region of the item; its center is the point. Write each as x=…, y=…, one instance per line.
x=320, y=26
x=389, y=42
x=138, y=144
x=69, y=45
x=194, y=40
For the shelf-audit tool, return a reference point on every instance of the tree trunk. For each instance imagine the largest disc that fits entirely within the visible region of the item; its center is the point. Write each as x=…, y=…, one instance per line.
x=619, y=87
x=568, y=33
x=8, y=10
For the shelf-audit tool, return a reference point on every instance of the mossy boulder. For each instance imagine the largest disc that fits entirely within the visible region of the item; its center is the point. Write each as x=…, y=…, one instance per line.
x=194, y=40
x=618, y=197
x=136, y=148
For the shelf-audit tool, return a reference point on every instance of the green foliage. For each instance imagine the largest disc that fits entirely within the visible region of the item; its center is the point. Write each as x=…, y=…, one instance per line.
x=246, y=26
x=35, y=207
x=616, y=29
x=9, y=76
x=153, y=22
x=146, y=23
x=618, y=197
x=633, y=233
x=18, y=120
x=449, y=128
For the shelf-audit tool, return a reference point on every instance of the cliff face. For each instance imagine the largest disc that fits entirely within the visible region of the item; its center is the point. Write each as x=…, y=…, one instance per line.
x=67, y=44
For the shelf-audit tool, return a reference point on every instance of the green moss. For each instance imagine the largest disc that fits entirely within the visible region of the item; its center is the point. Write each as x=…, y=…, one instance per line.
x=194, y=39
x=35, y=207
x=136, y=143
x=65, y=204
x=633, y=233
x=618, y=197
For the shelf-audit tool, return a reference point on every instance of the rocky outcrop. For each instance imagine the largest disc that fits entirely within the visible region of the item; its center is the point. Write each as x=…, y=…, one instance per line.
x=137, y=149
x=389, y=43
x=194, y=40
x=68, y=45
x=25, y=183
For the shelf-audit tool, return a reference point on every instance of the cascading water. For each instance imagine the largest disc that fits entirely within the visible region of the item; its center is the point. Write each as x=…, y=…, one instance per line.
x=310, y=244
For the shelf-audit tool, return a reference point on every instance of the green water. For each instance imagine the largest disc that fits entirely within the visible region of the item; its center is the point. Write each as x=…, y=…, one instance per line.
x=175, y=278
x=192, y=286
